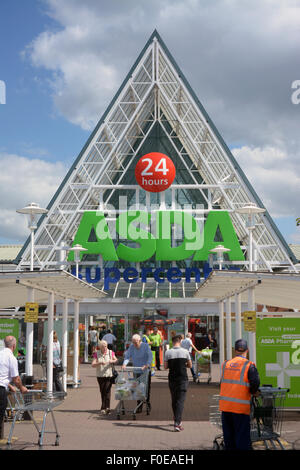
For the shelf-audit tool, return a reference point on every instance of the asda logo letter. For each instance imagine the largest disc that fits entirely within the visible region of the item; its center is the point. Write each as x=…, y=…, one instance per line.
x=94, y=226
x=222, y=221
x=128, y=230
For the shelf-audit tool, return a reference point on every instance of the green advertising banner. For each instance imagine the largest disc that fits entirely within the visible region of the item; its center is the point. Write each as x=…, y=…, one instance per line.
x=9, y=327
x=278, y=355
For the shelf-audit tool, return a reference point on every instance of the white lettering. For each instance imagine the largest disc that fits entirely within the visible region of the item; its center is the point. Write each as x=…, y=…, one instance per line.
x=166, y=459
x=118, y=460
x=296, y=354
x=296, y=94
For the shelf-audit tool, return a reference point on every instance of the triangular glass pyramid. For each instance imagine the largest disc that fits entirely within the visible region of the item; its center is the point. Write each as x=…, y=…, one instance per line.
x=155, y=109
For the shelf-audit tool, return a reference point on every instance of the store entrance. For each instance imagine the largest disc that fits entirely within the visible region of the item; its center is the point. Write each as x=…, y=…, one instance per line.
x=205, y=333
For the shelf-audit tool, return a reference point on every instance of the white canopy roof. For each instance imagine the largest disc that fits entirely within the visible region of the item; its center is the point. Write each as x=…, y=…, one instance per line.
x=14, y=292
x=276, y=289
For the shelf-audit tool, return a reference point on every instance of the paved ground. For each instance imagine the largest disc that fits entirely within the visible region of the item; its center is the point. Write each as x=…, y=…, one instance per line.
x=82, y=428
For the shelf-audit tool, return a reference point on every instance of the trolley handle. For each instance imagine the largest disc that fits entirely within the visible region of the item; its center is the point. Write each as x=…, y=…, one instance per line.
x=270, y=388
x=131, y=369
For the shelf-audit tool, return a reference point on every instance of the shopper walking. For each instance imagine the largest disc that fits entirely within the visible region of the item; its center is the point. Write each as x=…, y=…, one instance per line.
x=8, y=373
x=156, y=342
x=177, y=360
x=57, y=365
x=93, y=339
x=239, y=380
x=110, y=339
x=140, y=355
x=103, y=361
x=187, y=344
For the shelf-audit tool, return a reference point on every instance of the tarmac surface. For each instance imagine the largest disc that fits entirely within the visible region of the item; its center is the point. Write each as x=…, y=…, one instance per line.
x=81, y=426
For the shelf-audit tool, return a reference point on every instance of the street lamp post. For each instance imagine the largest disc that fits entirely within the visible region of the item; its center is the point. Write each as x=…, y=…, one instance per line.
x=250, y=210
x=77, y=249
x=32, y=211
x=220, y=250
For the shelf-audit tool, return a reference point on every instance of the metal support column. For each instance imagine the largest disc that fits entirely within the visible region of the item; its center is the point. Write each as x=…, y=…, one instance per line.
x=50, y=343
x=76, y=343
x=29, y=338
x=238, y=317
x=65, y=342
x=86, y=339
x=228, y=329
x=221, y=333
x=252, y=335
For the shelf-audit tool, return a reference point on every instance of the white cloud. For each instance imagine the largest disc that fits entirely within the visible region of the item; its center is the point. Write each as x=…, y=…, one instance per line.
x=239, y=57
x=22, y=181
x=273, y=177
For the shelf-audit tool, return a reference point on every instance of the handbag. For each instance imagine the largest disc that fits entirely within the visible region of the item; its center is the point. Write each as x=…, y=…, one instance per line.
x=114, y=372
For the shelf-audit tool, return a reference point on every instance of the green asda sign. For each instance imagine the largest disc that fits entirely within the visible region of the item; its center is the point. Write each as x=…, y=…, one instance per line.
x=278, y=355
x=94, y=234
x=9, y=327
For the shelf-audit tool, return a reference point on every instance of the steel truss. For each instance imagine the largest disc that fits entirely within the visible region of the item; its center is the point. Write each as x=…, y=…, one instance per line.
x=154, y=92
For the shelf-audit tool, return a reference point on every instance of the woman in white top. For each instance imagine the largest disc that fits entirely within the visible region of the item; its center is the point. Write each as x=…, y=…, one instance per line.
x=103, y=362
x=57, y=385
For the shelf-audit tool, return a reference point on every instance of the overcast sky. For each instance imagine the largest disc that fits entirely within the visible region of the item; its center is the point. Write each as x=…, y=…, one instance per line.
x=63, y=60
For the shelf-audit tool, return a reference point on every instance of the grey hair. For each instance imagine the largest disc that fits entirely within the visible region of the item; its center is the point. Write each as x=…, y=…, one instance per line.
x=136, y=337
x=10, y=341
x=102, y=343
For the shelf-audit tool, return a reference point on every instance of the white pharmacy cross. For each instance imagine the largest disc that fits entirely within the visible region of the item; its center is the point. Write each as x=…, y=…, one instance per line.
x=283, y=370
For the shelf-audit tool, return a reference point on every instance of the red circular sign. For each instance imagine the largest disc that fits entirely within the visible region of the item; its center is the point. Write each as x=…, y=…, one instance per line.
x=155, y=172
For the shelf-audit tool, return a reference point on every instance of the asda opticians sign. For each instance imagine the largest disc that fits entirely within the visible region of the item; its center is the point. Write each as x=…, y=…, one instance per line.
x=153, y=235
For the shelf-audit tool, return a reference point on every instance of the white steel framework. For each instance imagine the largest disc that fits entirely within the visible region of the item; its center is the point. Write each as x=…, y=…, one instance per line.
x=155, y=91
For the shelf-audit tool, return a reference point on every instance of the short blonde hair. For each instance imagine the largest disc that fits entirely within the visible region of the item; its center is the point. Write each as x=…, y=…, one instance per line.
x=102, y=344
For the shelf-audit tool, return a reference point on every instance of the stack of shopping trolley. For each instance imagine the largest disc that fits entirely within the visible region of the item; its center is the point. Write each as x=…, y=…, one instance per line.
x=265, y=419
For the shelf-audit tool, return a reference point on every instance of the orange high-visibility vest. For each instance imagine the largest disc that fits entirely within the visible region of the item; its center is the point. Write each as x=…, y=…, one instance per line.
x=235, y=396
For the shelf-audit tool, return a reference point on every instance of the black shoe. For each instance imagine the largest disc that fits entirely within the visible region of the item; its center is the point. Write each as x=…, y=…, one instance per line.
x=149, y=406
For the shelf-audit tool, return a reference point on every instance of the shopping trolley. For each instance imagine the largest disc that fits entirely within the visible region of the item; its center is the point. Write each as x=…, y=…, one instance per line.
x=203, y=361
x=215, y=418
x=36, y=400
x=132, y=384
x=266, y=417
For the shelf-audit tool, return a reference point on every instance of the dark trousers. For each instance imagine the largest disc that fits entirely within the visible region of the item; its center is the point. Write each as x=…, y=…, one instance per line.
x=105, y=391
x=57, y=385
x=3, y=405
x=178, y=393
x=157, y=356
x=236, y=431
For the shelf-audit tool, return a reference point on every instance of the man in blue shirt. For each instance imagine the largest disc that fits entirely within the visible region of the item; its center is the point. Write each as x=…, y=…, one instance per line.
x=141, y=356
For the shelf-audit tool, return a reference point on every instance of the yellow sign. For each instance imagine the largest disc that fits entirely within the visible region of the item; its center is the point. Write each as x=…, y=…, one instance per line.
x=249, y=321
x=31, y=312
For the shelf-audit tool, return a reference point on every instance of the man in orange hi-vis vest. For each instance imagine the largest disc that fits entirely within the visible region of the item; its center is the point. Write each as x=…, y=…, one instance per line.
x=239, y=380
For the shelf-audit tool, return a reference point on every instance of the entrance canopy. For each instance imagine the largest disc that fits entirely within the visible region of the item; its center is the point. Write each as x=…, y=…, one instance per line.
x=14, y=287
x=277, y=289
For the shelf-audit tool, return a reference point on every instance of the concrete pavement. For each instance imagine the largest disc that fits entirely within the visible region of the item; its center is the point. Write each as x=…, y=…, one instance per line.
x=83, y=428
